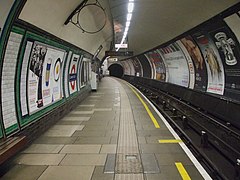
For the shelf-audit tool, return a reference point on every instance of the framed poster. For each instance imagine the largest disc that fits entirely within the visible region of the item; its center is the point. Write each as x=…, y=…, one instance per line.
x=137, y=66
x=44, y=76
x=200, y=69
x=213, y=63
x=177, y=65
x=160, y=68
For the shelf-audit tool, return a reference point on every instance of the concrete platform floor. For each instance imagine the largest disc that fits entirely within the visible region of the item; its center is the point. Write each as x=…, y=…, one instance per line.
x=108, y=136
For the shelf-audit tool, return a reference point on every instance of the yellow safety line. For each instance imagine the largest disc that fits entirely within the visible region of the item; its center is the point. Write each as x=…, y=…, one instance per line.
x=170, y=141
x=182, y=171
x=147, y=109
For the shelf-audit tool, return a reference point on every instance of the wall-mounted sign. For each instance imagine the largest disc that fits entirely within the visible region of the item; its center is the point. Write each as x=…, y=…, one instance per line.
x=125, y=46
x=118, y=53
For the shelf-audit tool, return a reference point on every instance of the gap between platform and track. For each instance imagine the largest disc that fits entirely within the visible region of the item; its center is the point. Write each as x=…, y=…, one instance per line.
x=199, y=167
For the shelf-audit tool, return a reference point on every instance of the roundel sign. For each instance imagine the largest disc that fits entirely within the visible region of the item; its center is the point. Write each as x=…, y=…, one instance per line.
x=73, y=77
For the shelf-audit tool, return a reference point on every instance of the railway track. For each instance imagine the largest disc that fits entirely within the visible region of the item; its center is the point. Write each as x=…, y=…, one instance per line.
x=215, y=143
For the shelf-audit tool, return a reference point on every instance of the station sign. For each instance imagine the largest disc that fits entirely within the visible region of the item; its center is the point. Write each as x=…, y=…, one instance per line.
x=124, y=46
x=112, y=59
x=118, y=53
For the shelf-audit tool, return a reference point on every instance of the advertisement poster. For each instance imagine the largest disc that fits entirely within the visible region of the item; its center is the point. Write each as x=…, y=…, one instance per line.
x=44, y=76
x=153, y=76
x=132, y=70
x=228, y=48
x=190, y=64
x=177, y=65
x=126, y=68
x=213, y=62
x=198, y=62
x=156, y=59
x=137, y=67
x=73, y=73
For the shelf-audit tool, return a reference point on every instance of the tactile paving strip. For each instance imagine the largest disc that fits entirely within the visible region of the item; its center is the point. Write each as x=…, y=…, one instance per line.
x=128, y=161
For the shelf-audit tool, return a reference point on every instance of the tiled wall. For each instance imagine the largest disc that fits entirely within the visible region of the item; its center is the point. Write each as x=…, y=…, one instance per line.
x=8, y=80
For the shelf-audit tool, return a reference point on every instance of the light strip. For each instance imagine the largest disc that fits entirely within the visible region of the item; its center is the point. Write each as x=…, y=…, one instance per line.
x=130, y=7
x=129, y=16
x=128, y=22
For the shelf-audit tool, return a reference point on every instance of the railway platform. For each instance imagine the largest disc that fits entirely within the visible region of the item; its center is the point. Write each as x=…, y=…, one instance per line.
x=114, y=134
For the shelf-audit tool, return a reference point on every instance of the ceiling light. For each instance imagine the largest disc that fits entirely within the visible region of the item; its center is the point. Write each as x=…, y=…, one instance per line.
x=127, y=23
x=130, y=7
x=129, y=17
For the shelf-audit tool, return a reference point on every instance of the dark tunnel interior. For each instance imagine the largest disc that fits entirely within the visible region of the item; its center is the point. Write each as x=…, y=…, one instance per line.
x=116, y=70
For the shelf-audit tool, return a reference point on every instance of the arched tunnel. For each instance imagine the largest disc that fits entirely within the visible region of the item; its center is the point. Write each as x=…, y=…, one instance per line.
x=119, y=89
x=116, y=70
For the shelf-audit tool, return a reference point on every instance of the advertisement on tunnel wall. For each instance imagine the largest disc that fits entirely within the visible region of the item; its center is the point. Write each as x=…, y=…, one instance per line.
x=228, y=48
x=126, y=68
x=213, y=62
x=160, y=68
x=132, y=70
x=137, y=67
x=73, y=73
x=153, y=68
x=44, y=76
x=200, y=69
x=176, y=64
x=190, y=64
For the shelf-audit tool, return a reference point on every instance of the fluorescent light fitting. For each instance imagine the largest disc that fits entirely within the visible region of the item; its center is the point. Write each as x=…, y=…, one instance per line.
x=130, y=7
x=127, y=23
x=129, y=17
x=126, y=29
x=131, y=0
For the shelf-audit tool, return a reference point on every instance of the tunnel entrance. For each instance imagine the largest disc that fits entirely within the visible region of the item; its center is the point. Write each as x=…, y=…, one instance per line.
x=116, y=70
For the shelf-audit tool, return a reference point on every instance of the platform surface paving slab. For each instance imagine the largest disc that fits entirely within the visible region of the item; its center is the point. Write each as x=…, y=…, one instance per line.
x=108, y=136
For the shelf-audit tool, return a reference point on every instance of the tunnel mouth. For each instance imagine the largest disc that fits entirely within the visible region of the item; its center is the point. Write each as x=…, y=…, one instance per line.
x=116, y=70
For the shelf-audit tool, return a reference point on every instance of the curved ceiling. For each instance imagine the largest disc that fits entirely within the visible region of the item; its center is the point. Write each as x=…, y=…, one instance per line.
x=155, y=22
x=51, y=15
